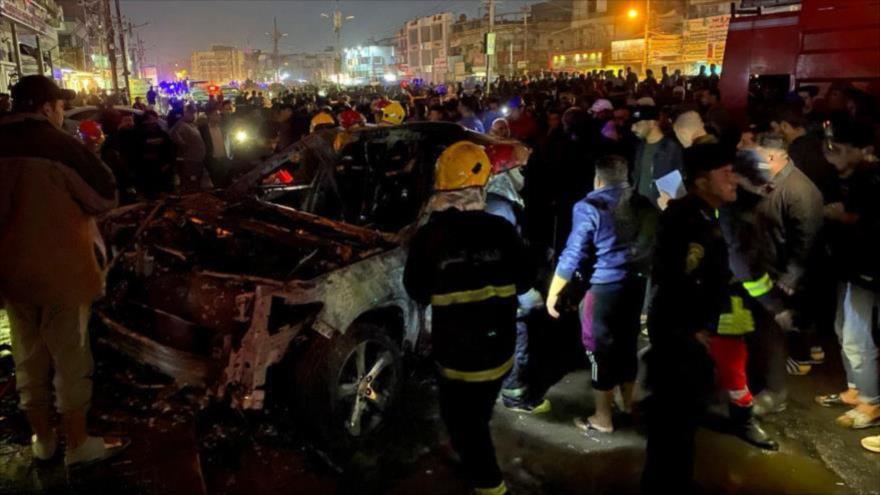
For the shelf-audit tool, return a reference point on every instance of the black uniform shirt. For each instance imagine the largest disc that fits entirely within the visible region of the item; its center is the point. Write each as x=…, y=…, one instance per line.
x=691, y=274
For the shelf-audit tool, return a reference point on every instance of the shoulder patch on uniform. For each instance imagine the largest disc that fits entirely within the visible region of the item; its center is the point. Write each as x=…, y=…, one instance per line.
x=694, y=257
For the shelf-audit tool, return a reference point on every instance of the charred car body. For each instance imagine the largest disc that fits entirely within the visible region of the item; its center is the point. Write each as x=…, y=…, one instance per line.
x=219, y=289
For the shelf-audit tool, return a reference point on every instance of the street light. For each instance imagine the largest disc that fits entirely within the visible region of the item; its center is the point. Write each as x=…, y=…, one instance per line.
x=632, y=14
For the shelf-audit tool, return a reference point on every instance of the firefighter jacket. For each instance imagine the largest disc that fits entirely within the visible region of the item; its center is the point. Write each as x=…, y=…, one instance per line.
x=469, y=266
x=692, y=278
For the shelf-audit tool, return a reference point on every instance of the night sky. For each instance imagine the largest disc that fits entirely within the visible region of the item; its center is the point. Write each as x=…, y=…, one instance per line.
x=179, y=27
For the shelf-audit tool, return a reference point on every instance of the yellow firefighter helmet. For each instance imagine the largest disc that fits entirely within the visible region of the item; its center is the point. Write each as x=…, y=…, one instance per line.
x=393, y=113
x=462, y=165
x=323, y=118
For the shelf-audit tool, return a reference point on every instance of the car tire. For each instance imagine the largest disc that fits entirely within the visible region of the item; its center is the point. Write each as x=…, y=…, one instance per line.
x=347, y=386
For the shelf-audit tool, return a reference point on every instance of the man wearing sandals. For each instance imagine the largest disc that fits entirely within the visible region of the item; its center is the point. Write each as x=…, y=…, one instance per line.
x=610, y=222
x=51, y=264
x=855, y=225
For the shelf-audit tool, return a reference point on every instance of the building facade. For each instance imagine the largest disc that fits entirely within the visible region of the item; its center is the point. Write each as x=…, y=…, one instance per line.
x=368, y=64
x=423, y=48
x=220, y=65
x=609, y=34
x=308, y=67
x=28, y=39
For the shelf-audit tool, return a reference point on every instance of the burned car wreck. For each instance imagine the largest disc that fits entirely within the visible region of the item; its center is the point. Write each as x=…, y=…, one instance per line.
x=300, y=278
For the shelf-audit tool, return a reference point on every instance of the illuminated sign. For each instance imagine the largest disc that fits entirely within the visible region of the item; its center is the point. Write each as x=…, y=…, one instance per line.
x=490, y=44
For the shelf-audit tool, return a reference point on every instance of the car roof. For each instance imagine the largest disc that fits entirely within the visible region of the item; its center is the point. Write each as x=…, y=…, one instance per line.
x=90, y=108
x=324, y=140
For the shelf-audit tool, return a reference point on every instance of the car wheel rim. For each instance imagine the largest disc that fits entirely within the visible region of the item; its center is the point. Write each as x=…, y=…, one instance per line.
x=366, y=381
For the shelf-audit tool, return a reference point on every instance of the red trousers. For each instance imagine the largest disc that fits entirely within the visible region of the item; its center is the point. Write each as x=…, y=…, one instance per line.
x=731, y=356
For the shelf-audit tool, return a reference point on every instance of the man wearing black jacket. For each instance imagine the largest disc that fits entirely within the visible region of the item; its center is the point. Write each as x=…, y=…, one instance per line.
x=805, y=150
x=855, y=243
x=469, y=266
x=695, y=323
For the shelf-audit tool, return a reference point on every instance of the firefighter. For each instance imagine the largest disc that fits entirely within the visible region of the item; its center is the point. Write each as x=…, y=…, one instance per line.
x=323, y=120
x=92, y=136
x=696, y=325
x=350, y=118
x=393, y=113
x=469, y=266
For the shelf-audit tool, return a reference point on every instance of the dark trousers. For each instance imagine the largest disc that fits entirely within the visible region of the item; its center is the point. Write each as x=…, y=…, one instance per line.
x=610, y=329
x=680, y=377
x=767, y=352
x=466, y=409
x=518, y=381
x=190, y=174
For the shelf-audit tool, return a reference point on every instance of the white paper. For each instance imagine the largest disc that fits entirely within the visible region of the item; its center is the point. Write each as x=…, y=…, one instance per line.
x=671, y=184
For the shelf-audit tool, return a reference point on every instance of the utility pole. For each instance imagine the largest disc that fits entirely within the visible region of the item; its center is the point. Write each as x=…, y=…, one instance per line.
x=137, y=50
x=16, y=51
x=41, y=65
x=111, y=44
x=125, y=72
x=526, y=11
x=647, y=28
x=488, y=55
x=141, y=56
x=510, y=58
x=338, y=19
x=276, y=37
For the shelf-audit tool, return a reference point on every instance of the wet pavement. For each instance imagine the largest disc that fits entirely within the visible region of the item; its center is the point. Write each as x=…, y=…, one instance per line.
x=183, y=445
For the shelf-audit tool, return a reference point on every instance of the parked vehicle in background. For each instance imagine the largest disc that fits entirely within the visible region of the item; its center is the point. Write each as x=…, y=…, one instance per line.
x=74, y=116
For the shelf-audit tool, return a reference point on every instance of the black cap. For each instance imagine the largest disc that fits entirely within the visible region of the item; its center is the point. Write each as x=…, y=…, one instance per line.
x=644, y=112
x=846, y=131
x=32, y=91
x=703, y=158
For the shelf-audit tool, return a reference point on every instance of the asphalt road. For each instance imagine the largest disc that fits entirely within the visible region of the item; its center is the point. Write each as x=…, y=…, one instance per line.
x=182, y=445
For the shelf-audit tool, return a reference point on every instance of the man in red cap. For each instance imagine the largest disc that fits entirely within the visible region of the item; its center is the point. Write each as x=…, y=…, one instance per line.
x=52, y=263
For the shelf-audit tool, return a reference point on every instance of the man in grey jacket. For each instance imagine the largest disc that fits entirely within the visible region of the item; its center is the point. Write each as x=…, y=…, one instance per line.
x=52, y=264
x=792, y=217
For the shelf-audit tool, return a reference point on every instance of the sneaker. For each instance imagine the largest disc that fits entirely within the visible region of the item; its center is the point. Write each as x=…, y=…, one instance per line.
x=768, y=402
x=95, y=450
x=43, y=451
x=797, y=368
x=872, y=443
x=522, y=406
x=817, y=355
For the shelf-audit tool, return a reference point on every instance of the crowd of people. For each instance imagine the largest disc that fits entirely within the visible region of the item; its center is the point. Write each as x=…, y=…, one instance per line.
x=644, y=204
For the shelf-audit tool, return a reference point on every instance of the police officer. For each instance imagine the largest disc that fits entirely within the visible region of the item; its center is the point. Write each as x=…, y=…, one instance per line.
x=469, y=266
x=695, y=325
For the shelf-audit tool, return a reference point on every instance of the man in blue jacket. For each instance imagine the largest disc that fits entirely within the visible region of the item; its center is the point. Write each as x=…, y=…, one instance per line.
x=612, y=231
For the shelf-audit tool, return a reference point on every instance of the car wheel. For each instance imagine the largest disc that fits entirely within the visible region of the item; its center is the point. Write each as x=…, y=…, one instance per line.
x=348, y=385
